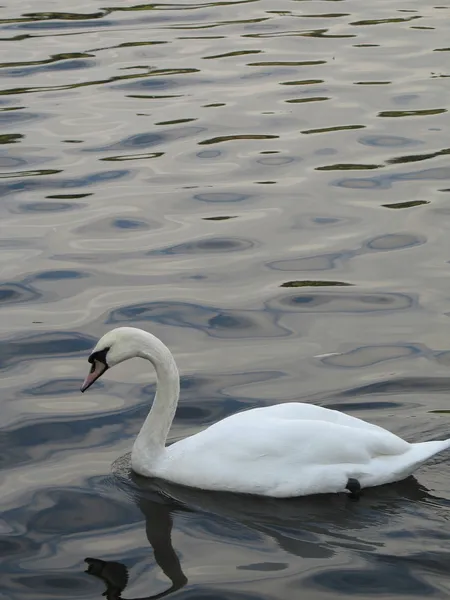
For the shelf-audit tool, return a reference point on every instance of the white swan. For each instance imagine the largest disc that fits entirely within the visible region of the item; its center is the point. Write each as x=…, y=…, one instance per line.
x=290, y=449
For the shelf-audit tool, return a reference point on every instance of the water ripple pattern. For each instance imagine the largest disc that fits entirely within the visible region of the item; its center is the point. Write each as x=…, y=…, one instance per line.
x=265, y=186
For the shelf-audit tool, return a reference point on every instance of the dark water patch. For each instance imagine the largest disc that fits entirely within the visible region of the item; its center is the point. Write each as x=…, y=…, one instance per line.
x=67, y=65
x=386, y=181
x=10, y=162
x=372, y=82
x=208, y=245
x=237, y=137
x=417, y=157
x=209, y=154
x=342, y=303
x=219, y=218
x=47, y=207
x=304, y=100
x=232, y=54
x=124, y=157
x=54, y=387
x=348, y=167
x=67, y=196
x=388, y=141
x=321, y=262
x=311, y=283
x=124, y=225
x=384, y=21
x=16, y=293
x=54, y=58
x=58, y=275
x=48, y=344
x=148, y=140
x=44, y=183
x=215, y=322
x=11, y=138
x=411, y=113
x=19, y=117
x=391, y=579
x=409, y=204
x=302, y=82
x=58, y=24
x=332, y=129
x=395, y=241
x=276, y=161
x=50, y=439
x=30, y=173
x=222, y=197
x=175, y=122
x=129, y=224
x=288, y=63
x=158, y=79
x=73, y=511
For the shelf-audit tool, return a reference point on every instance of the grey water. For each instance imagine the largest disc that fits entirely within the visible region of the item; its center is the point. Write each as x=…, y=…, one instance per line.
x=264, y=185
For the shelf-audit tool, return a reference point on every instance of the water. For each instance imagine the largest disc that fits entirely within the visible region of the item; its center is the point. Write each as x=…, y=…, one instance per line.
x=265, y=186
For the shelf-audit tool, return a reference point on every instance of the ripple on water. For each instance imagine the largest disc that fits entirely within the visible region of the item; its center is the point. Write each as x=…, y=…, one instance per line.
x=209, y=245
x=387, y=577
x=370, y=355
x=385, y=181
x=215, y=322
x=49, y=183
x=396, y=241
x=48, y=344
x=222, y=197
x=326, y=262
x=388, y=141
x=122, y=224
x=16, y=293
x=342, y=303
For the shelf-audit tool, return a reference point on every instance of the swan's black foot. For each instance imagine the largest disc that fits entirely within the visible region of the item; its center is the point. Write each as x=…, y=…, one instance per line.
x=354, y=487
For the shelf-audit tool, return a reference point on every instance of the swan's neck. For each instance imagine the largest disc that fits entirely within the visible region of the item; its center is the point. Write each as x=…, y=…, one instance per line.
x=152, y=437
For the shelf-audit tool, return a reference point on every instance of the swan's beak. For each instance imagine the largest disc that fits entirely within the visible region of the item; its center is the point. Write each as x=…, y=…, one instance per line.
x=97, y=370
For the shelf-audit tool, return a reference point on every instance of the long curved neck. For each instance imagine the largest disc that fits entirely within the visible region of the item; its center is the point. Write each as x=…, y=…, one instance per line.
x=152, y=437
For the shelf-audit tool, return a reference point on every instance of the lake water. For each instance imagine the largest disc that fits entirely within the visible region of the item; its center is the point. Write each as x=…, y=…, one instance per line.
x=264, y=185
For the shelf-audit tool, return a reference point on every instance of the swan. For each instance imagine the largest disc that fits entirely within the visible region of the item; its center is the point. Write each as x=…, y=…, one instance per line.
x=283, y=450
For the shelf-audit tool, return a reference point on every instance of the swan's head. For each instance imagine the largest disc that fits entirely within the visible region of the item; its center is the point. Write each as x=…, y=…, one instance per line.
x=113, y=348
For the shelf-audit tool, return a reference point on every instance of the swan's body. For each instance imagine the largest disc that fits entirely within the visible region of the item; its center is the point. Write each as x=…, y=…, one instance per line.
x=291, y=449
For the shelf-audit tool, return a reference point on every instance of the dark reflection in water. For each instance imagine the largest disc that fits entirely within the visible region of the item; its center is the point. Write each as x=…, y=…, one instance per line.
x=308, y=528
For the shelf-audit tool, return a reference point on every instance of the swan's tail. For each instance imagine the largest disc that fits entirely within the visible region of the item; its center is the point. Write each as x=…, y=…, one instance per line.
x=419, y=454
x=390, y=469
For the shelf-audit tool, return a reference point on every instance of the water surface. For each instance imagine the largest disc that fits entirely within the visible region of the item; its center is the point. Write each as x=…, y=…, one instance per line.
x=265, y=187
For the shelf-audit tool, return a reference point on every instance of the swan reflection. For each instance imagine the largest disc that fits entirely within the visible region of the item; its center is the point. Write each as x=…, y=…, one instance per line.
x=311, y=527
x=158, y=525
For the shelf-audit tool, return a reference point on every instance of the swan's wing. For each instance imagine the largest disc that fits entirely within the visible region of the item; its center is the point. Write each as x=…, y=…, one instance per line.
x=308, y=412
x=301, y=441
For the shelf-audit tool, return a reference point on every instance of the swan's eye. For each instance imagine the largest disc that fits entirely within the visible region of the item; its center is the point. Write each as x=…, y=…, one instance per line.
x=100, y=355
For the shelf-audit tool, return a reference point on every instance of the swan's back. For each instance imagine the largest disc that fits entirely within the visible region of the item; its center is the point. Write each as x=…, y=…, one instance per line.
x=306, y=412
